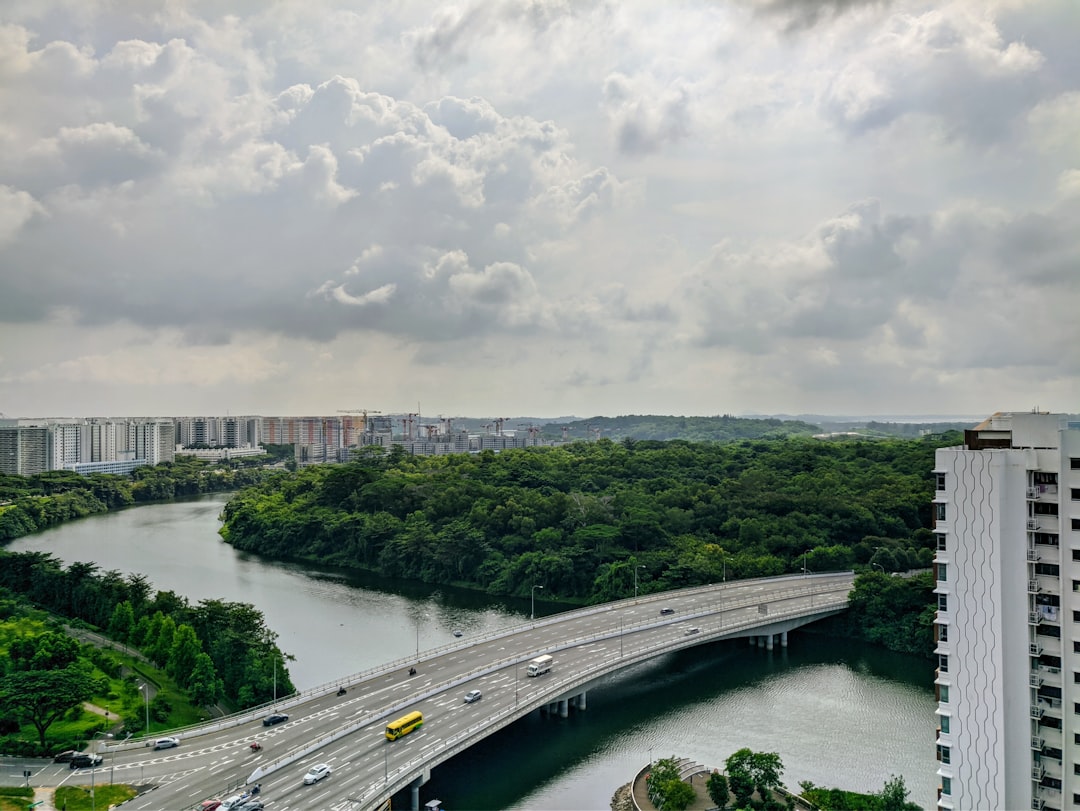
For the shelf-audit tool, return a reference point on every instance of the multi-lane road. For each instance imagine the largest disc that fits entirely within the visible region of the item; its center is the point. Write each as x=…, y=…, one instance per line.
x=347, y=731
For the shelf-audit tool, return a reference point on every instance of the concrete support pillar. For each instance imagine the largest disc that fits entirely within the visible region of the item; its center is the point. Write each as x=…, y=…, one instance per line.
x=783, y=639
x=414, y=790
x=769, y=642
x=581, y=701
x=564, y=708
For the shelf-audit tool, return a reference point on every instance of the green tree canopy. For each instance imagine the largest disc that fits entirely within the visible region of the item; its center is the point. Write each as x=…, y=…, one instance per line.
x=42, y=696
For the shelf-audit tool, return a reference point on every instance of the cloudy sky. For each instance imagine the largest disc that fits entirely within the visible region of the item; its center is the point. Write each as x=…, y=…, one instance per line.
x=539, y=207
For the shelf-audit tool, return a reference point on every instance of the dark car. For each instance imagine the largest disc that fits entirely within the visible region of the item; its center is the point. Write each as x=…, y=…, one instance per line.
x=250, y=805
x=65, y=756
x=85, y=761
x=276, y=718
x=667, y=610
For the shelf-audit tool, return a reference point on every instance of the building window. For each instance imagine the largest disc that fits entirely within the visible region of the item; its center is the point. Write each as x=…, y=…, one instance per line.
x=943, y=663
x=941, y=542
x=1076, y=524
x=1076, y=677
x=943, y=633
x=1047, y=568
x=1045, y=508
x=1076, y=554
x=944, y=725
x=943, y=694
x=1074, y=493
x=1074, y=464
x=939, y=511
x=944, y=754
x=940, y=481
x=942, y=572
x=1076, y=768
x=1076, y=646
x=943, y=599
x=946, y=785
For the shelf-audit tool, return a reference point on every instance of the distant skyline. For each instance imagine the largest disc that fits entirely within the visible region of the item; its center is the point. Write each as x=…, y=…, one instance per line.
x=587, y=207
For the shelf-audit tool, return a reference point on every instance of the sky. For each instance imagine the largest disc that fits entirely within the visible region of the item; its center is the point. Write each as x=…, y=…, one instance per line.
x=548, y=207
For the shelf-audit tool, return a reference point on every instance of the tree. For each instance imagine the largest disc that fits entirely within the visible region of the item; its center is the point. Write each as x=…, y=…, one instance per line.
x=205, y=687
x=186, y=648
x=43, y=696
x=48, y=651
x=894, y=796
x=748, y=770
x=718, y=790
x=123, y=621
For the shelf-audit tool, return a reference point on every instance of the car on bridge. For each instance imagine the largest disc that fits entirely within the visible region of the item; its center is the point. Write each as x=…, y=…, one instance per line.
x=276, y=718
x=692, y=630
x=665, y=611
x=471, y=696
x=167, y=743
x=317, y=773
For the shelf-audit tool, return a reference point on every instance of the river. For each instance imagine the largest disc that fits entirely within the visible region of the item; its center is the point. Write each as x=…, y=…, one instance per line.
x=837, y=715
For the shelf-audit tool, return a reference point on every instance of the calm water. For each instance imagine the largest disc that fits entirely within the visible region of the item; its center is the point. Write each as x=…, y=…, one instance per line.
x=837, y=716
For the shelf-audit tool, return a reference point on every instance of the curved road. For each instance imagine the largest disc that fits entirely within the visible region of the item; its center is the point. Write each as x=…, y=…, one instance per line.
x=215, y=760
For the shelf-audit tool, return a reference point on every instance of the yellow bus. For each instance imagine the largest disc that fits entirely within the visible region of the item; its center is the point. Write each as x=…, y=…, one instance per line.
x=404, y=725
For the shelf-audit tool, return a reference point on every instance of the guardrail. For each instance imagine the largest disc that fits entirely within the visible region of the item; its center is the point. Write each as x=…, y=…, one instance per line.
x=255, y=713
x=834, y=599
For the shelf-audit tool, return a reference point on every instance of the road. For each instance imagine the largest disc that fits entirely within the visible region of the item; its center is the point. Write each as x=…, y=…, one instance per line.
x=347, y=731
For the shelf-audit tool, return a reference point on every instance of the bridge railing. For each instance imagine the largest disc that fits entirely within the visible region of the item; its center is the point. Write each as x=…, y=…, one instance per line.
x=402, y=663
x=401, y=775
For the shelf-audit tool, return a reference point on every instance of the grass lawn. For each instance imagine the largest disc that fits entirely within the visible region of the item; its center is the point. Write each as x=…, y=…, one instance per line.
x=15, y=798
x=77, y=798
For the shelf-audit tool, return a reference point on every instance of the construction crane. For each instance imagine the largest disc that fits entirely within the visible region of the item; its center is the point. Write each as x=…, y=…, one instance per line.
x=533, y=430
x=498, y=422
x=363, y=427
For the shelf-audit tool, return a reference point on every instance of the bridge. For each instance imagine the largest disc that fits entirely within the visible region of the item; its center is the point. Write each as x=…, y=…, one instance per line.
x=342, y=723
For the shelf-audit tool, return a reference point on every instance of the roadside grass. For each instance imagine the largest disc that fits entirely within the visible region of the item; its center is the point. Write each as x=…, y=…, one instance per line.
x=117, y=694
x=77, y=798
x=15, y=798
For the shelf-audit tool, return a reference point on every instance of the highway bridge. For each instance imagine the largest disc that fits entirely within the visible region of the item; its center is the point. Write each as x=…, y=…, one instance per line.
x=346, y=729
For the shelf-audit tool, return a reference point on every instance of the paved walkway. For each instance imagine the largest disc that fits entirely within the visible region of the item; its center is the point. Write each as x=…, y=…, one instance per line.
x=45, y=797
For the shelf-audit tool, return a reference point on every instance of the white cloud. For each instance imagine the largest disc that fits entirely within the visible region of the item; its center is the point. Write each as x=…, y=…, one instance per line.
x=760, y=205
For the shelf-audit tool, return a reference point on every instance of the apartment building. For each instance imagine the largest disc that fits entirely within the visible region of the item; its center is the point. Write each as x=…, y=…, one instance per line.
x=24, y=449
x=1007, y=630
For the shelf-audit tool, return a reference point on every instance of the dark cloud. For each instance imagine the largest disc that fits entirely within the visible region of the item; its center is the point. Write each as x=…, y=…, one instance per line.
x=800, y=15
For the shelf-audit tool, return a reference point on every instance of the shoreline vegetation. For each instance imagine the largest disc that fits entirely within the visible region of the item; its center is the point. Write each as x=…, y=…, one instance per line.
x=593, y=522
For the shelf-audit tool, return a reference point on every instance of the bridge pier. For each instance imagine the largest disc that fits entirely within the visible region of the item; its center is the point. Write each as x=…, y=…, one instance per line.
x=783, y=639
x=769, y=642
x=414, y=789
x=564, y=708
x=581, y=703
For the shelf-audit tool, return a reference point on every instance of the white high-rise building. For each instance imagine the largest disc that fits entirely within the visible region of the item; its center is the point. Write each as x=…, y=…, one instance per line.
x=1007, y=570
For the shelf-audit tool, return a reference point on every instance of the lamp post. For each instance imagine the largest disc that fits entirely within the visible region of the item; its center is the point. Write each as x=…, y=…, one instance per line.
x=804, y=554
x=112, y=760
x=93, y=766
x=145, y=688
x=880, y=567
x=532, y=610
x=639, y=566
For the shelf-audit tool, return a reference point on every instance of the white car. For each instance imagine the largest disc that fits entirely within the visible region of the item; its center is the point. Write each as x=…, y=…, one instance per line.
x=166, y=743
x=317, y=773
x=471, y=696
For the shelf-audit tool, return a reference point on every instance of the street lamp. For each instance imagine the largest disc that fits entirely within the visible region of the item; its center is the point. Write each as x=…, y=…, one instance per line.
x=145, y=689
x=880, y=567
x=639, y=566
x=804, y=554
x=112, y=760
x=93, y=766
x=532, y=611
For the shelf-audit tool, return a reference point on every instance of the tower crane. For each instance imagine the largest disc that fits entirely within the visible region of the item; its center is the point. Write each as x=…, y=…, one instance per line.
x=364, y=412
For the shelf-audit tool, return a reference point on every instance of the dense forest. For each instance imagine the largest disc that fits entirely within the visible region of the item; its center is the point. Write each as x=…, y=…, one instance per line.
x=588, y=520
x=693, y=429
x=32, y=503
x=218, y=650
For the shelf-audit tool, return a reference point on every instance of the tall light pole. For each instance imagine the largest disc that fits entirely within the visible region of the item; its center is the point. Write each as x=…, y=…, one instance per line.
x=880, y=567
x=93, y=767
x=532, y=610
x=639, y=566
x=804, y=562
x=145, y=688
